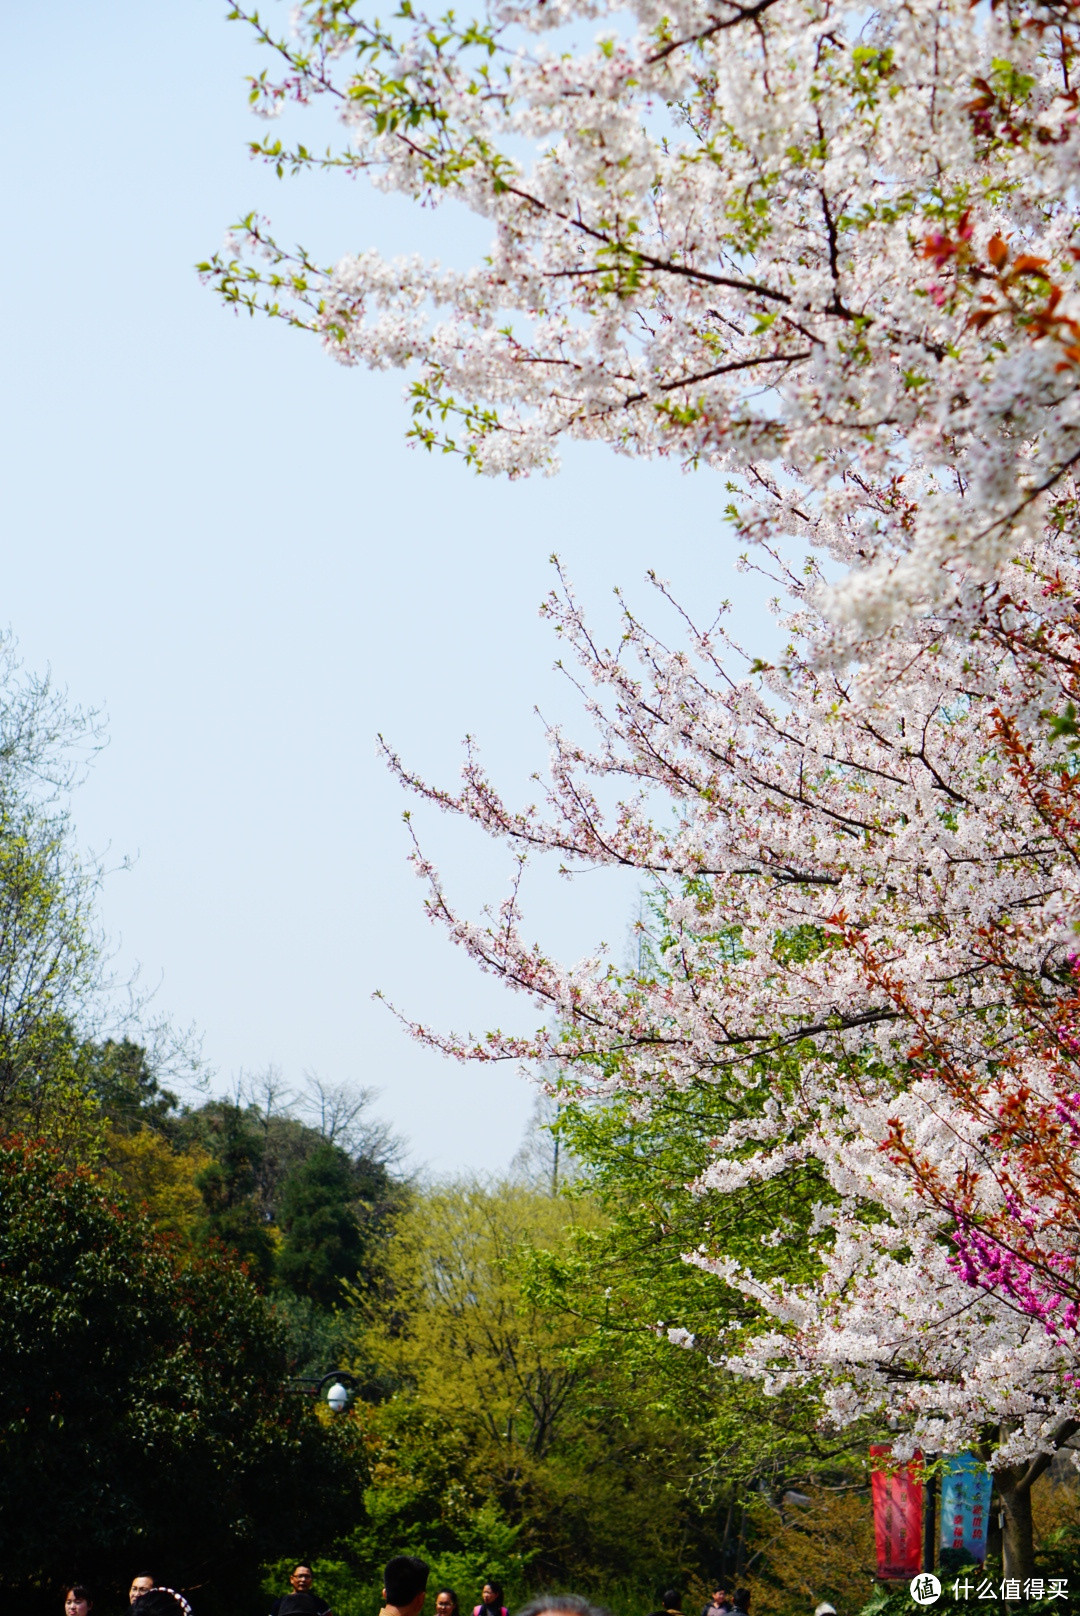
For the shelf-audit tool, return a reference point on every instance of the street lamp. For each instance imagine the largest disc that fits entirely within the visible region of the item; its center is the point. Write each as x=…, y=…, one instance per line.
x=339, y=1385
x=339, y=1397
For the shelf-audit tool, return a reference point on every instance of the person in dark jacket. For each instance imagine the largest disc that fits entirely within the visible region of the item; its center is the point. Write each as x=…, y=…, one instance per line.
x=300, y=1582
x=720, y=1603
x=300, y=1605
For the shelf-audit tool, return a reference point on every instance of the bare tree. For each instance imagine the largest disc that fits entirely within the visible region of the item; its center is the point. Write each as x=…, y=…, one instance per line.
x=542, y=1160
x=341, y=1112
x=265, y=1092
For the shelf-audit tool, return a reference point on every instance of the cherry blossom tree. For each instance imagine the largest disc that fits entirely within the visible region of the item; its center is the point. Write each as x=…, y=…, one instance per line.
x=862, y=917
x=831, y=254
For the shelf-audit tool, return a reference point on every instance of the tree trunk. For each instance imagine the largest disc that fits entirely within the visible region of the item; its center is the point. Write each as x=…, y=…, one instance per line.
x=1017, y=1537
x=1012, y=1489
x=930, y=1522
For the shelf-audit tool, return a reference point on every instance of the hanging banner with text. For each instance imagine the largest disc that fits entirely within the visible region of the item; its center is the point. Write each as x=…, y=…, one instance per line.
x=965, y=1509
x=897, y=1492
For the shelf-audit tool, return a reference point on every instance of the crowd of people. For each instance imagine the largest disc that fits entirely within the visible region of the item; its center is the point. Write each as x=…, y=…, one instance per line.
x=405, y=1591
x=405, y=1582
x=145, y=1597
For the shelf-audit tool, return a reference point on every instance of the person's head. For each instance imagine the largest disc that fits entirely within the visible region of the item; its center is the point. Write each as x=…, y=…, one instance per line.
x=77, y=1601
x=492, y=1593
x=561, y=1605
x=405, y=1583
x=669, y=1599
x=161, y=1602
x=719, y=1595
x=139, y=1586
x=446, y=1603
x=301, y=1579
x=742, y=1599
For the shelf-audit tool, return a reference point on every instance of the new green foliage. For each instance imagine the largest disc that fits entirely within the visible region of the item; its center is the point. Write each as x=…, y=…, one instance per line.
x=50, y=954
x=515, y=1440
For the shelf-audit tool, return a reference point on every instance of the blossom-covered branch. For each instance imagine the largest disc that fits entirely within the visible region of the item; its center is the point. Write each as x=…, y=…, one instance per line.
x=832, y=253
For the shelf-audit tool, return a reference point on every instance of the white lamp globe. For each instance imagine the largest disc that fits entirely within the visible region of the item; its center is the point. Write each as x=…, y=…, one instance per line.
x=338, y=1397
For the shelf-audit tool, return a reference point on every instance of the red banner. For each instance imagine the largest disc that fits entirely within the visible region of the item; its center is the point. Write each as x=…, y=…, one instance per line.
x=897, y=1491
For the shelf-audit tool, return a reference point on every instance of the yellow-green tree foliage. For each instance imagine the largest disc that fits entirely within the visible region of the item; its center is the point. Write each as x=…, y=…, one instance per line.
x=820, y=1550
x=50, y=950
x=161, y=1180
x=509, y=1445
x=461, y=1335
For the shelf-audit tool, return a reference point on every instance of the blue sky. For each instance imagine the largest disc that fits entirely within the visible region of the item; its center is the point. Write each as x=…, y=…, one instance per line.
x=222, y=538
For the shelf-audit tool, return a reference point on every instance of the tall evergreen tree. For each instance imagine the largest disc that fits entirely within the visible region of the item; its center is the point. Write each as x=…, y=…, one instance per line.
x=323, y=1241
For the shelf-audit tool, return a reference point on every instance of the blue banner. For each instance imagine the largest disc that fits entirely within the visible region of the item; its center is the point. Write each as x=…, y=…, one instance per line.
x=965, y=1508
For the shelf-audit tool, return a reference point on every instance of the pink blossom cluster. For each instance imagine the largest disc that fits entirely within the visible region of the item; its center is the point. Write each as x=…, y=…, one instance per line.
x=983, y=1261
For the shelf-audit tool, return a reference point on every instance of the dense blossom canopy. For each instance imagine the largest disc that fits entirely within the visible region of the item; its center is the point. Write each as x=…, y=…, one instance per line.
x=833, y=254
x=829, y=250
